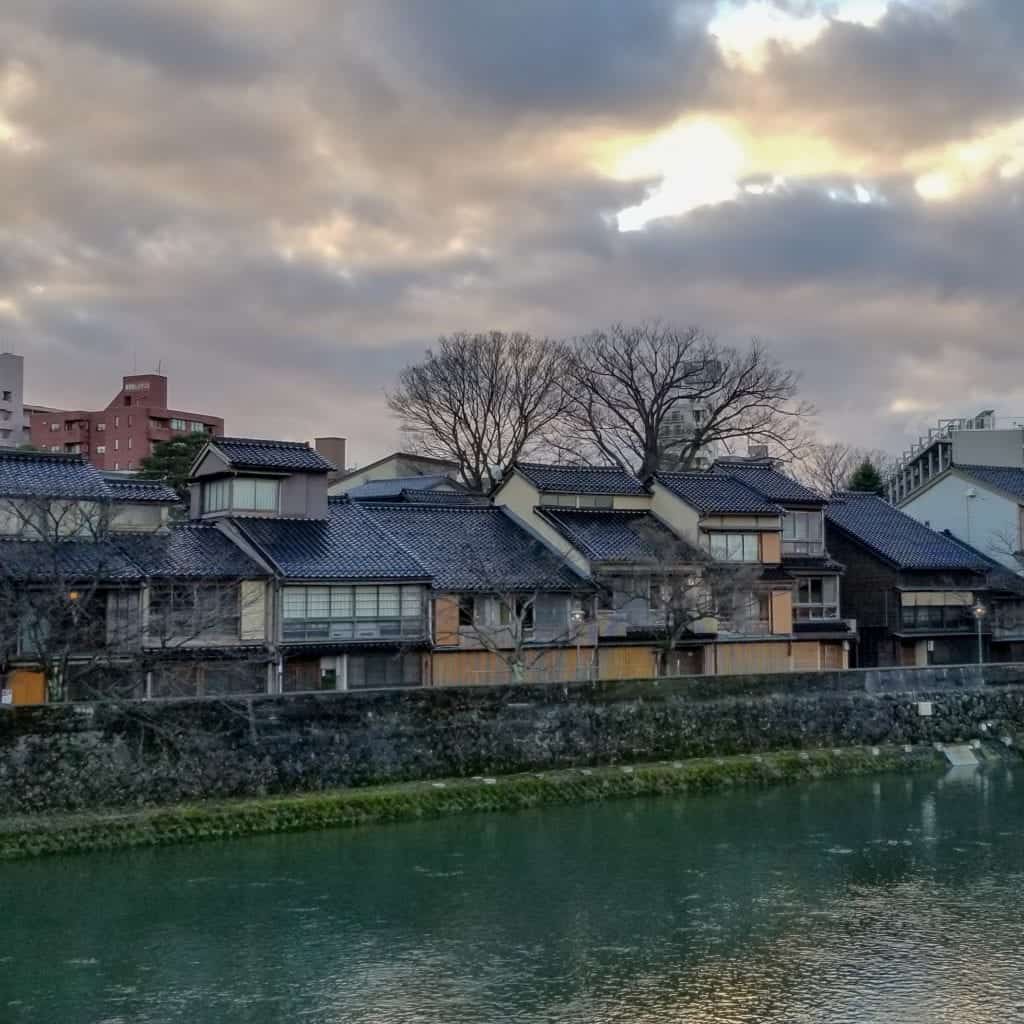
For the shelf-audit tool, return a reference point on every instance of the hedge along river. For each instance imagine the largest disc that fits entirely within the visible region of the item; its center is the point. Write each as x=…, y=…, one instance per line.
x=895, y=898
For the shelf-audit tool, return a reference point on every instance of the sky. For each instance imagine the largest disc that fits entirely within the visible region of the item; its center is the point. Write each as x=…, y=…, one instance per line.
x=282, y=204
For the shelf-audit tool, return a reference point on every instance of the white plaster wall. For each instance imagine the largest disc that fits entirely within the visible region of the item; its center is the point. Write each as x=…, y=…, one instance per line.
x=985, y=521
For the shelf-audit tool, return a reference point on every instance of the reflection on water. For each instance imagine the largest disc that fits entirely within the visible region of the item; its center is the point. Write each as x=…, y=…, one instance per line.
x=893, y=899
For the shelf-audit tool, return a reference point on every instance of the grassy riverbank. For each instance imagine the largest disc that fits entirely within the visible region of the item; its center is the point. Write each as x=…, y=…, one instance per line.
x=185, y=823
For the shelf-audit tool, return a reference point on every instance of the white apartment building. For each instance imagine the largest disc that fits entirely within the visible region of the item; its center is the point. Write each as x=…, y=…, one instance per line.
x=13, y=423
x=967, y=476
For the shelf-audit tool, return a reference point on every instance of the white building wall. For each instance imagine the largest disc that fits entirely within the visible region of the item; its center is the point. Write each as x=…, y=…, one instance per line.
x=13, y=423
x=990, y=521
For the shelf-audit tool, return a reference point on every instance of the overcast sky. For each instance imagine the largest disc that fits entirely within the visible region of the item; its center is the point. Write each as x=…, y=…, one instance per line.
x=285, y=202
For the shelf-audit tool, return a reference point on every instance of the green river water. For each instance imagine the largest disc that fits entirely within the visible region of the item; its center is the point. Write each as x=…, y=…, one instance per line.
x=896, y=899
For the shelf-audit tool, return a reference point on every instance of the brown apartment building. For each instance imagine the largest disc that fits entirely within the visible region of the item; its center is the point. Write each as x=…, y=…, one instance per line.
x=120, y=436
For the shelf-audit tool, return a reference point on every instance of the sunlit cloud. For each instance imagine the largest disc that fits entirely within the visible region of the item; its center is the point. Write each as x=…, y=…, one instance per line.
x=699, y=162
x=965, y=165
x=746, y=32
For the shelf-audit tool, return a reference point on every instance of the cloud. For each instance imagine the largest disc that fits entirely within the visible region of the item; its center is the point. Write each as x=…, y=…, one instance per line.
x=284, y=204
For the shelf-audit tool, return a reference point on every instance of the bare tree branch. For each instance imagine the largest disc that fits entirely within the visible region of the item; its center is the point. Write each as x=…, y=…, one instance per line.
x=653, y=396
x=481, y=400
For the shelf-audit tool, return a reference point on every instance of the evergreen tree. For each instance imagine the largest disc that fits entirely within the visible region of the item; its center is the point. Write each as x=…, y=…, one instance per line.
x=866, y=478
x=171, y=461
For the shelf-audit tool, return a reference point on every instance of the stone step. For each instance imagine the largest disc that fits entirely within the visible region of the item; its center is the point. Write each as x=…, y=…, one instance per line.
x=960, y=755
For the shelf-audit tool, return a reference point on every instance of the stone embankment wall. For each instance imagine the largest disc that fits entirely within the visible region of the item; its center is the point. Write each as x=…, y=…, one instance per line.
x=76, y=757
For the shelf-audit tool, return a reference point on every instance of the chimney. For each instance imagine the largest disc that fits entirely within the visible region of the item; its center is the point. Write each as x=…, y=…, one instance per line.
x=332, y=449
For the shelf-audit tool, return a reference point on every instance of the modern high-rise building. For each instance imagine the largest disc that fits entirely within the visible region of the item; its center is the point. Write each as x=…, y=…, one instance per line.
x=120, y=436
x=13, y=422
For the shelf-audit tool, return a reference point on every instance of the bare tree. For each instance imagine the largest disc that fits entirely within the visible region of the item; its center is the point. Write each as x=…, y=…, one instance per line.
x=71, y=605
x=481, y=400
x=653, y=396
x=683, y=593
x=521, y=628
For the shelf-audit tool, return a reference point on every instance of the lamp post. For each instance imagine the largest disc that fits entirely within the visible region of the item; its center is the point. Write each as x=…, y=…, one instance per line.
x=578, y=616
x=980, y=612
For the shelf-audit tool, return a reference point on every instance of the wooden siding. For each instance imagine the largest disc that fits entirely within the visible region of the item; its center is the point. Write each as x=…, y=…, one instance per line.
x=782, y=611
x=740, y=659
x=627, y=662
x=833, y=656
x=254, y=609
x=27, y=686
x=466, y=668
x=807, y=657
x=771, y=548
x=446, y=621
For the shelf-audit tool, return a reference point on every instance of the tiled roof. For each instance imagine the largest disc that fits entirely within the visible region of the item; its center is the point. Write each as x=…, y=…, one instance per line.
x=66, y=561
x=1004, y=478
x=285, y=456
x=712, y=493
x=999, y=576
x=474, y=547
x=135, y=491
x=46, y=475
x=189, y=552
x=375, y=490
x=580, y=479
x=184, y=552
x=444, y=497
x=770, y=483
x=348, y=545
x=894, y=536
x=618, y=536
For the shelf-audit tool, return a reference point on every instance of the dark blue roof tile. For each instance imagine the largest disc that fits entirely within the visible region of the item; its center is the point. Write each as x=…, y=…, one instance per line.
x=46, y=475
x=714, y=493
x=770, y=483
x=607, y=535
x=273, y=456
x=375, y=490
x=474, y=547
x=189, y=552
x=894, y=536
x=348, y=545
x=580, y=479
x=136, y=491
x=1008, y=479
x=67, y=561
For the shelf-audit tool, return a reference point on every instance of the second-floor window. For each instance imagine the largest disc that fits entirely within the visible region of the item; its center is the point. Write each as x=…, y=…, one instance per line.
x=578, y=500
x=816, y=599
x=735, y=547
x=802, y=533
x=241, y=494
x=177, y=424
x=347, y=613
x=191, y=611
x=937, y=609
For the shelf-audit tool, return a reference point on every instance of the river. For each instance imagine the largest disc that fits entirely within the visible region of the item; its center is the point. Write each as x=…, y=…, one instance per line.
x=895, y=899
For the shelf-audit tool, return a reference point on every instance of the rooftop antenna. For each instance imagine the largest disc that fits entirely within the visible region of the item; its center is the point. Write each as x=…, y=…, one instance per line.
x=159, y=364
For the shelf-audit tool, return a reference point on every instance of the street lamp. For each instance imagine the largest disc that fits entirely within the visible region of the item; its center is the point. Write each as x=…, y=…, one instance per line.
x=980, y=611
x=578, y=617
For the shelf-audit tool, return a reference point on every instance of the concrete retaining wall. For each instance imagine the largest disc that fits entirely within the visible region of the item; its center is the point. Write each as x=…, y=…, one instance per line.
x=68, y=757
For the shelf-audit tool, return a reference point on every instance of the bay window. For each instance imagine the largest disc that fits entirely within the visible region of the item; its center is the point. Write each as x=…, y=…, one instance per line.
x=816, y=598
x=241, y=494
x=370, y=612
x=735, y=547
x=802, y=533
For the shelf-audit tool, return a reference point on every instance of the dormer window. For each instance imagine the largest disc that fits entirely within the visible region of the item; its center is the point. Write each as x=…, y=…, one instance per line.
x=241, y=494
x=578, y=500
